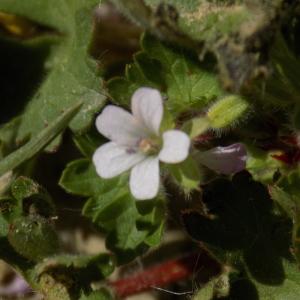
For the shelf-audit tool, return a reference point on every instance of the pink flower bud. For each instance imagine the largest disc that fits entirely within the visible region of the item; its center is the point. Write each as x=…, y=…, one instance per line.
x=225, y=160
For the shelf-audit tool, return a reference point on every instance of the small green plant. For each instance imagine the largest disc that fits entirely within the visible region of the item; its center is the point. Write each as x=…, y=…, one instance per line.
x=193, y=125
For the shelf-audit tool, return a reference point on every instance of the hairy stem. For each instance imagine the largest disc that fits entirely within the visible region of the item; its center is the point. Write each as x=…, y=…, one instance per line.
x=164, y=274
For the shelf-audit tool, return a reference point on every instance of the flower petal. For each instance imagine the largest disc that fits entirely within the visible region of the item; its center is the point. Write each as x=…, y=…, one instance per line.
x=176, y=146
x=144, y=179
x=120, y=126
x=17, y=287
x=111, y=159
x=225, y=160
x=147, y=107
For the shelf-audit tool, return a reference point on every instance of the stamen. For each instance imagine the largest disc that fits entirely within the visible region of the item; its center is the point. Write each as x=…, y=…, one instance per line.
x=148, y=146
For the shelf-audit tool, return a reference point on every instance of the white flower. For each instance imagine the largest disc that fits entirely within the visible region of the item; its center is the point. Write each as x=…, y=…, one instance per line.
x=136, y=143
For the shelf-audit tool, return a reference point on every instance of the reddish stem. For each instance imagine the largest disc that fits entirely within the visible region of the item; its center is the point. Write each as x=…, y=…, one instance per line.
x=158, y=276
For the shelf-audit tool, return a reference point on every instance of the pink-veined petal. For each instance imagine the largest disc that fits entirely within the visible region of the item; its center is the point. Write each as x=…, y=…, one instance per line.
x=225, y=160
x=147, y=107
x=144, y=179
x=176, y=146
x=111, y=159
x=118, y=125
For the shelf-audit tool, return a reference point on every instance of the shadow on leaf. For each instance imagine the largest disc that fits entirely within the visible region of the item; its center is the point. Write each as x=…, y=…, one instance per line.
x=242, y=228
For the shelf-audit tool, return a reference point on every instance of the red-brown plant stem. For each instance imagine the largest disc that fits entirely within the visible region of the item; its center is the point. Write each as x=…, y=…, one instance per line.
x=158, y=276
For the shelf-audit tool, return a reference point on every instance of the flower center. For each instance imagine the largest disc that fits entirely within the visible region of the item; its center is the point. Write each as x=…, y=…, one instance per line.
x=148, y=146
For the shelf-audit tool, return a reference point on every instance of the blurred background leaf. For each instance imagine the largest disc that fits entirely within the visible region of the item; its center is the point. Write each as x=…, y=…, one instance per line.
x=67, y=73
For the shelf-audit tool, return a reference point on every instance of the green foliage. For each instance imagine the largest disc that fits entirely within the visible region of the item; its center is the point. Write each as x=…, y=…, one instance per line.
x=10, y=210
x=131, y=226
x=215, y=63
x=70, y=276
x=26, y=220
x=27, y=199
x=37, y=143
x=33, y=198
x=88, y=142
x=95, y=266
x=30, y=243
x=53, y=14
x=262, y=165
x=202, y=20
x=7, y=137
x=80, y=178
x=186, y=174
x=185, y=81
x=98, y=295
x=286, y=194
x=244, y=232
x=225, y=29
x=242, y=288
x=71, y=74
x=196, y=126
x=33, y=238
x=206, y=292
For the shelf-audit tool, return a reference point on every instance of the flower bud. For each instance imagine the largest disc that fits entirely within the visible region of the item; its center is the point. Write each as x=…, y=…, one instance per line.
x=226, y=111
x=225, y=160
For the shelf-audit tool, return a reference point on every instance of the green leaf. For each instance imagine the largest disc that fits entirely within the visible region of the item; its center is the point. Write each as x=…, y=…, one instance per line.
x=37, y=143
x=285, y=201
x=154, y=238
x=71, y=75
x=127, y=238
x=195, y=126
x=6, y=206
x=88, y=143
x=102, y=294
x=262, y=165
x=289, y=289
x=186, y=174
x=10, y=208
x=185, y=81
x=238, y=33
x=32, y=197
x=52, y=286
x=287, y=194
x=27, y=198
x=162, y=22
x=291, y=206
x=205, y=293
x=243, y=230
x=33, y=237
x=69, y=277
x=5, y=182
x=80, y=178
x=290, y=183
x=93, y=267
x=201, y=20
x=131, y=226
x=113, y=209
x=48, y=13
x=8, y=134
